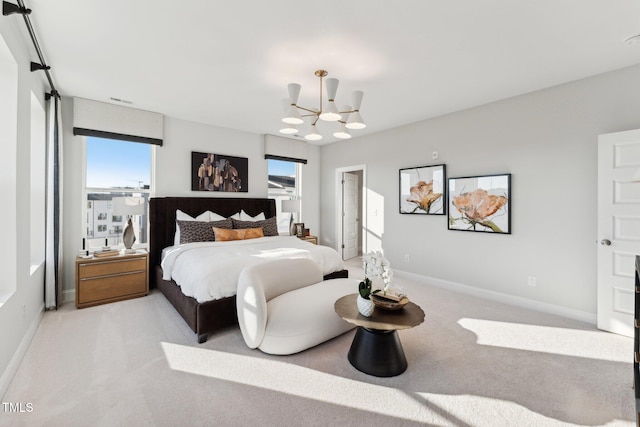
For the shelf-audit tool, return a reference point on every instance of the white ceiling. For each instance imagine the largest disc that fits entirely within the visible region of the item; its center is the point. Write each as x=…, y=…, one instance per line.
x=228, y=63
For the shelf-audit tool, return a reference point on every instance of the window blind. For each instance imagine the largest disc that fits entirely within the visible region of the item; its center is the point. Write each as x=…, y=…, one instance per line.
x=287, y=149
x=104, y=120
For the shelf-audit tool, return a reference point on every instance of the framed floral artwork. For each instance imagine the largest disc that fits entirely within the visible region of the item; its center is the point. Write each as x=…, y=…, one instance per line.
x=422, y=190
x=480, y=203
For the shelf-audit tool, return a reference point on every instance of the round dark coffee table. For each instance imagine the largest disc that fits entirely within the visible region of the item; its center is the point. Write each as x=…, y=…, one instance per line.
x=376, y=349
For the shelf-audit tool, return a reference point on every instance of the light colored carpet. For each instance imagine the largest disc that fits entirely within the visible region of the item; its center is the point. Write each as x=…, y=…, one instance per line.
x=472, y=363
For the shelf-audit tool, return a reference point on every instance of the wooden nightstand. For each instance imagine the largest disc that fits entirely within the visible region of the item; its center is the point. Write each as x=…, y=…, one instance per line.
x=109, y=279
x=310, y=239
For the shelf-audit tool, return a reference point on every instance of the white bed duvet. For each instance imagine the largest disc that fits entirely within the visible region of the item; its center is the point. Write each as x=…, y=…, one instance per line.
x=209, y=270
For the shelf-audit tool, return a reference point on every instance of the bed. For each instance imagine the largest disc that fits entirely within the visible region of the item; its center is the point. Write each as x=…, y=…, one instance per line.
x=207, y=317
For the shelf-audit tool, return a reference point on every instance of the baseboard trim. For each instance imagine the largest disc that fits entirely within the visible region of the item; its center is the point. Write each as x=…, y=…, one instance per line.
x=529, y=304
x=69, y=295
x=14, y=364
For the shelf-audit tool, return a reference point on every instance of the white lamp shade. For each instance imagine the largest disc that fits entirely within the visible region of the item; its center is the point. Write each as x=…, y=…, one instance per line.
x=289, y=130
x=355, y=121
x=313, y=134
x=357, y=99
x=342, y=132
x=294, y=92
x=332, y=88
x=291, y=206
x=330, y=112
x=128, y=205
x=285, y=105
x=293, y=116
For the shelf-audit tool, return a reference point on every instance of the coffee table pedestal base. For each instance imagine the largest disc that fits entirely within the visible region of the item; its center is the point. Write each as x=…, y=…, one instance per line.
x=377, y=353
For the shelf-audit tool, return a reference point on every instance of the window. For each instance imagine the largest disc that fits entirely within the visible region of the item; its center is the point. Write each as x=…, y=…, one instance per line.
x=284, y=184
x=116, y=169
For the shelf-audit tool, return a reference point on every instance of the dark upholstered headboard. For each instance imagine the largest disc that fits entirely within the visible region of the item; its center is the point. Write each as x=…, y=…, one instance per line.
x=162, y=216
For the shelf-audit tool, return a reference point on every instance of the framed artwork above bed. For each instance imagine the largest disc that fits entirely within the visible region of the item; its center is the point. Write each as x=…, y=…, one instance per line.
x=219, y=172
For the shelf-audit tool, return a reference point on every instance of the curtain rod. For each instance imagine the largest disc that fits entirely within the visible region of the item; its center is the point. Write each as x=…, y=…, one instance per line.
x=43, y=65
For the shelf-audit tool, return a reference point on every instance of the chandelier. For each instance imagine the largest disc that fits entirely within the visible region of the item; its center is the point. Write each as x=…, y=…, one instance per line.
x=348, y=119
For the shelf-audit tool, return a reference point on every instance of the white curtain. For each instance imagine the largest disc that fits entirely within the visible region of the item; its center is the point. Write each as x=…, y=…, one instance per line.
x=53, y=256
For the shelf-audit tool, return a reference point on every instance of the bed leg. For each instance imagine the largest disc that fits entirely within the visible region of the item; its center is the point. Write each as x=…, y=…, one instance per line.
x=202, y=338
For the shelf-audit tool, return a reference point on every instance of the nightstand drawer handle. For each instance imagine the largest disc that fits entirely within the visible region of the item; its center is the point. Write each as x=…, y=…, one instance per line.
x=112, y=275
x=85, y=264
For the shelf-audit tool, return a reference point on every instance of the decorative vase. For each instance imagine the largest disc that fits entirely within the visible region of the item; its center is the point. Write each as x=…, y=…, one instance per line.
x=365, y=306
x=128, y=236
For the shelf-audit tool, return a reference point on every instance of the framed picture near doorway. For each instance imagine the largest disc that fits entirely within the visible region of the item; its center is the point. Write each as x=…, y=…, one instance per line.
x=423, y=190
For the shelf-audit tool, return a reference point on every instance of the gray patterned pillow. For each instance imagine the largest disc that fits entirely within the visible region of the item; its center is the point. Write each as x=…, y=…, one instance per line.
x=269, y=226
x=200, y=231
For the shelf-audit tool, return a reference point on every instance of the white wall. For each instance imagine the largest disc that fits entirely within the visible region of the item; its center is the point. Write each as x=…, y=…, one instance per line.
x=548, y=141
x=173, y=163
x=21, y=313
x=173, y=159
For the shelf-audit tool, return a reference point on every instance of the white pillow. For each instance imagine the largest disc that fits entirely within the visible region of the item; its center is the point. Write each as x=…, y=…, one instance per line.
x=246, y=217
x=215, y=217
x=204, y=216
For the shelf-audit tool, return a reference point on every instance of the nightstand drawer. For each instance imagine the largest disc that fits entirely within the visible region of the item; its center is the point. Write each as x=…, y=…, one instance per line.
x=106, y=268
x=111, y=286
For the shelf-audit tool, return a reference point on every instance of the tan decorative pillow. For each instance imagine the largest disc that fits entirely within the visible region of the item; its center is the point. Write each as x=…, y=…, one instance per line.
x=225, y=235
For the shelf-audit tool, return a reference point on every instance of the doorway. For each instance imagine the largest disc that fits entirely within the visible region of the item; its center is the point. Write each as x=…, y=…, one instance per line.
x=350, y=212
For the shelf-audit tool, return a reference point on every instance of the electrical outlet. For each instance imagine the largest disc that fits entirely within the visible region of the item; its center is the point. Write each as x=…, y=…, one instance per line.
x=407, y=258
x=531, y=281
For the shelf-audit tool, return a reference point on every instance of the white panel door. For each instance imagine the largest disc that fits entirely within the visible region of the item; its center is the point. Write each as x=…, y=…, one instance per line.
x=349, y=215
x=618, y=229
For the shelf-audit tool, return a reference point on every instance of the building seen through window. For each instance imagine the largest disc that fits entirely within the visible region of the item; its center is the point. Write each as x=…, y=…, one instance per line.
x=284, y=184
x=116, y=170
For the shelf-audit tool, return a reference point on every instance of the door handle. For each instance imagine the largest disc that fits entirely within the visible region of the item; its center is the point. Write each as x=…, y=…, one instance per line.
x=605, y=242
